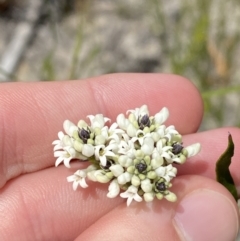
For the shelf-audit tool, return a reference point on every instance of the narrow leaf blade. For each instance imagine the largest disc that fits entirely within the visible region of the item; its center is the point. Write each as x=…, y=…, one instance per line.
x=222, y=169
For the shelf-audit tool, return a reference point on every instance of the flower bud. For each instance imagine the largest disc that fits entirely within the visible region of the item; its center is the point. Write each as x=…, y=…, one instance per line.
x=148, y=197
x=171, y=197
x=135, y=181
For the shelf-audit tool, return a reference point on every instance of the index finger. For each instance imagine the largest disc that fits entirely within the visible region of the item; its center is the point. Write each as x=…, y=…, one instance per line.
x=31, y=114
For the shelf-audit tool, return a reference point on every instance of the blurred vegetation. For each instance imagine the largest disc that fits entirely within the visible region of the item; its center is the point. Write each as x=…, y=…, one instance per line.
x=200, y=46
x=198, y=39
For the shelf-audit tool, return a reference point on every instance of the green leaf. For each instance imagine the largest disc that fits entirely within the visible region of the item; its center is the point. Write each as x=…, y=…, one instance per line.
x=222, y=169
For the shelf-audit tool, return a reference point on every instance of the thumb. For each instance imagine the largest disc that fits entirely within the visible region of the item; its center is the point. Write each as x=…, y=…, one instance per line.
x=205, y=211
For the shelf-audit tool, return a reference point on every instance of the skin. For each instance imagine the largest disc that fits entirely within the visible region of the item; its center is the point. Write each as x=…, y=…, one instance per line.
x=36, y=202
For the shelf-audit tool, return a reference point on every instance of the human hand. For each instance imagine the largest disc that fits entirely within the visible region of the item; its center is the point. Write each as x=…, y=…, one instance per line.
x=36, y=202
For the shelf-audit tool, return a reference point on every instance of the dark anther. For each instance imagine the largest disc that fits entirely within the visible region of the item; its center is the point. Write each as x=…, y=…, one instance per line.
x=143, y=122
x=141, y=167
x=84, y=135
x=107, y=166
x=161, y=186
x=177, y=148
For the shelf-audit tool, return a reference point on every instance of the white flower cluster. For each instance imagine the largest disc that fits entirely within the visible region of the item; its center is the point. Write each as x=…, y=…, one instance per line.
x=135, y=154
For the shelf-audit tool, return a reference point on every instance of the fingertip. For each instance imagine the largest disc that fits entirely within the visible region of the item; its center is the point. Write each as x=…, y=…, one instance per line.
x=116, y=93
x=204, y=211
x=206, y=215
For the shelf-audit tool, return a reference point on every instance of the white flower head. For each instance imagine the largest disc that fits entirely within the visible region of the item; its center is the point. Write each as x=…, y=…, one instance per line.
x=134, y=154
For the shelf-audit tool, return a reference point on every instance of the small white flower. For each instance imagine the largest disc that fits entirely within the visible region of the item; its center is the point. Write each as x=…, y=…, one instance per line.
x=102, y=152
x=78, y=178
x=193, y=149
x=161, y=151
x=113, y=189
x=59, y=143
x=126, y=148
x=64, y=141
x=113, y=130
x=168, y=132
x=69, y=127
x=113, y=134
x=98, y=121
x=140, y=136
x=131, y=194
x=168, y=172
x=140, y=112
x=67, y=155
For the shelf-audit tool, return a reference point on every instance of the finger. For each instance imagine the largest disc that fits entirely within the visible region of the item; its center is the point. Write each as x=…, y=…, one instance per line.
x=32, y=114
x=204, y=211
x=43, y=205
x=213, y=144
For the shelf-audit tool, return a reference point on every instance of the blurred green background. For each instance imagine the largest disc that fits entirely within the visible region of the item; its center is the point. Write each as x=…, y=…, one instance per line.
x=81, y=38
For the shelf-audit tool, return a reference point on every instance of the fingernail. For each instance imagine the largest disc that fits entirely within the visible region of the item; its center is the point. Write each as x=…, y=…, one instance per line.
x=206, y=216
